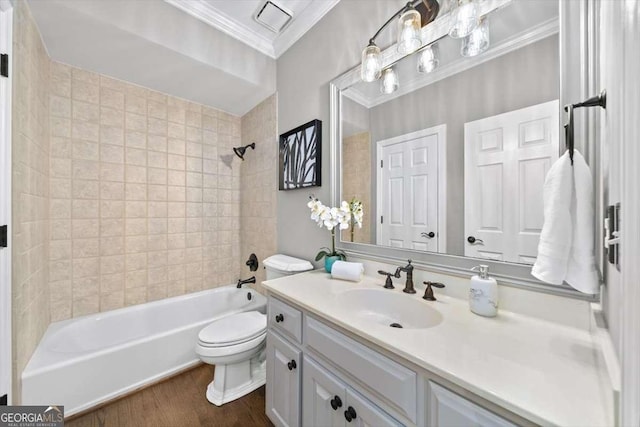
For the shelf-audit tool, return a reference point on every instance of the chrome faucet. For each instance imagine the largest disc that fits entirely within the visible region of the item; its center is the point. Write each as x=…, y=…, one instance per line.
x=408, y=286
x=241, y=282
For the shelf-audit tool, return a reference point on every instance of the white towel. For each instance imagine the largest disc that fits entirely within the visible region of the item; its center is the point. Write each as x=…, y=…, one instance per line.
x=565, y=250
x=344, y=270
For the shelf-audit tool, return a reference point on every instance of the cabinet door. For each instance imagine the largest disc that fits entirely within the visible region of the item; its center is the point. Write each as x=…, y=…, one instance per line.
x=364, y=413
x=283, y=382
x=323, y=397
x=447, y=409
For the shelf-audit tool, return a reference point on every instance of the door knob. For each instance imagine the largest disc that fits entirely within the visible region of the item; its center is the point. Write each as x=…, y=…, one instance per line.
x=350, y=414
x=336, y=403
x=429, y=235
x=279, y=318
x=292, y=365
x=474, y=241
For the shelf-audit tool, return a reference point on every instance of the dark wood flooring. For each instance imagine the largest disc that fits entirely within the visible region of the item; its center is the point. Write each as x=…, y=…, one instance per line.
x=177, y=402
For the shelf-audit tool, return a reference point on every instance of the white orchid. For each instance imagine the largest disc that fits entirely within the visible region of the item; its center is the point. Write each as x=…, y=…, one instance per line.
x=346, y=215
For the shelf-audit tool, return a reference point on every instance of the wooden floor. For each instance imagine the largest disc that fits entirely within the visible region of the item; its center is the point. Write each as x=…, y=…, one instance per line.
x=179, y=401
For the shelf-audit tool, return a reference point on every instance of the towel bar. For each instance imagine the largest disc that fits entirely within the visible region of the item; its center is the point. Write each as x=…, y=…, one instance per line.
x=594, y=101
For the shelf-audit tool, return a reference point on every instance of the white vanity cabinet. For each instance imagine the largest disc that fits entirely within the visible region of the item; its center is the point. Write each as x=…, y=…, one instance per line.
x=328, y=402
x=320, y=376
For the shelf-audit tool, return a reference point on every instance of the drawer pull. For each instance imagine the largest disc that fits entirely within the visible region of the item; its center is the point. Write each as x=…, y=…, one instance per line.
x=279, y=318
x=292, y=365
x=336, y=403
x=350, y=414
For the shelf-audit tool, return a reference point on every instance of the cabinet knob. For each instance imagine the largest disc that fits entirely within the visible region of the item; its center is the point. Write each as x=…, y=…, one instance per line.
x=279, y=318
x=350, y=414
x=336, y=403
x=292, y=365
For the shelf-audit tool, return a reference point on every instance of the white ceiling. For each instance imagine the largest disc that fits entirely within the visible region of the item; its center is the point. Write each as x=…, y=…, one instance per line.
x=216, y=54
x=236, y=19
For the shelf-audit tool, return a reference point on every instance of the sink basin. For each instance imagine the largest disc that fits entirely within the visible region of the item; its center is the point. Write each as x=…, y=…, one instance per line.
x=389, y=308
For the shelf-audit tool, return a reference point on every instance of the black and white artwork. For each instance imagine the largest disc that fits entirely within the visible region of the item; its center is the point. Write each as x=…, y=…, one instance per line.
x=300, y=154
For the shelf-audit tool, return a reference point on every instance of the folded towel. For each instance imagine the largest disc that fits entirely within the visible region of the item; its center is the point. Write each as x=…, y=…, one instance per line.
x=565, y=250
x=344, y=270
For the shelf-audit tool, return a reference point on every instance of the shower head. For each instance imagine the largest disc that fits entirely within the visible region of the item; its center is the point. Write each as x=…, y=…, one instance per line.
x=241, y=150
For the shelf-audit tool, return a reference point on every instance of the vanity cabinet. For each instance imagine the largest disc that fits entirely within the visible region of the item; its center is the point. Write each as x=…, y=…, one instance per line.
x=319, y=376
x=283, y=382
x=327, y=401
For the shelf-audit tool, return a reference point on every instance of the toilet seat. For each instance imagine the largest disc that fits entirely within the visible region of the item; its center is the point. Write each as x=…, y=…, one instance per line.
x=233, y=330
x=228, y=350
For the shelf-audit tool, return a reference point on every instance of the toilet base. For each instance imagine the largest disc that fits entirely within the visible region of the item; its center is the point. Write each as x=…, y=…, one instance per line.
x=232, y=381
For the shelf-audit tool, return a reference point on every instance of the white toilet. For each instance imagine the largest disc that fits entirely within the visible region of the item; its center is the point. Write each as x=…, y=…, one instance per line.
x=235, y=344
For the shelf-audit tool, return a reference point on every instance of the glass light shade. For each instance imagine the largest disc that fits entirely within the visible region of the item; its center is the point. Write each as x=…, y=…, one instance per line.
x=389, y=83
x=429, y=59
x=371, y=66
x=464, y=18
x=409, y=32
x=476, y=42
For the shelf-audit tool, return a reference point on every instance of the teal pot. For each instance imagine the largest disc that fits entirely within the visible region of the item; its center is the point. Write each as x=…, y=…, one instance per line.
x=328, y=262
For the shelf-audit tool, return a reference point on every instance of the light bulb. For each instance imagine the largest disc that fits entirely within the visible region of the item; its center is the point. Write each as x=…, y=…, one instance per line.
x=464, y=18
x=476, y=42
x=409, y=32
x=389, y=83
x=429, y=59
x=371, y=66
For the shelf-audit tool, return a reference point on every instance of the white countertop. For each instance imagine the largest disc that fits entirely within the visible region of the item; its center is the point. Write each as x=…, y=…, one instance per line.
x=542, y=371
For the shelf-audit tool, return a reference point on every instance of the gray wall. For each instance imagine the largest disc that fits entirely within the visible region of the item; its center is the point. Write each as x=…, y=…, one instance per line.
x=330, y=48
x=519, y=79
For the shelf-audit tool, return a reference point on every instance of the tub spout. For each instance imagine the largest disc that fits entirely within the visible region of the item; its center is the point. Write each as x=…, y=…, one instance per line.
x=241, y=282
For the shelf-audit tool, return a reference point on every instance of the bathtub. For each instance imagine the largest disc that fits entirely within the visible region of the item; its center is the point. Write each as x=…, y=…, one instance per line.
x=88, y=360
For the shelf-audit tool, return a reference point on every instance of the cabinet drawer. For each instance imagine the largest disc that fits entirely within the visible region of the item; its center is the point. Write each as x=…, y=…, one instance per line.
x=285, y=319
x=447, y=409
x=394, y=383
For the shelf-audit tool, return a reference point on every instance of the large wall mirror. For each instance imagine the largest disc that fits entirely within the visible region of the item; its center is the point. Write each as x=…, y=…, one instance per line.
x=450, y=166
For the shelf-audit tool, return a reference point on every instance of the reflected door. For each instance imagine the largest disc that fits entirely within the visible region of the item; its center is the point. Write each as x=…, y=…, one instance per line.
x=506, y=161
x=408, y=191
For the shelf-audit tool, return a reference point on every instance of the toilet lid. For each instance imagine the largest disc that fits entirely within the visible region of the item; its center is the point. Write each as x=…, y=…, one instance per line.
x=234, y=329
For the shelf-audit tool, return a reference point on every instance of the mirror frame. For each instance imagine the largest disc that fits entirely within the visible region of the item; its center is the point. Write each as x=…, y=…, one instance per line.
x=579, y=26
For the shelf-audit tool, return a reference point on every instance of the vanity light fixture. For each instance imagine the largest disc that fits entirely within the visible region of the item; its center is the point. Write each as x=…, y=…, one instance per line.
x=465, y=23
x=389, y=82
x=477, y=41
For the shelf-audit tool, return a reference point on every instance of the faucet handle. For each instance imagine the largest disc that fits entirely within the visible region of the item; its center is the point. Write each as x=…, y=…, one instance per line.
x=388, y=284
x=428, y=293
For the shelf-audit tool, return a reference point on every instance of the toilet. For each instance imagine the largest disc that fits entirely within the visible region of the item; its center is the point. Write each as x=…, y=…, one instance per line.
x=235, y=344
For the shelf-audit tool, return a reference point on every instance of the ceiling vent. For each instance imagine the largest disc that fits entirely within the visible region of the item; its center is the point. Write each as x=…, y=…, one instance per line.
x=273, y=16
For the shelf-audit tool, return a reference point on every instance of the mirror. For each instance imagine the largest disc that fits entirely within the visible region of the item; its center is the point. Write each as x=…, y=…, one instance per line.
x=454, y=161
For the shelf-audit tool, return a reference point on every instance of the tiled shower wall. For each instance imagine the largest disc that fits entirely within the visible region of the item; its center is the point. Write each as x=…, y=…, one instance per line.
x=258, y=185
x=30, y=198
x=356, y=182
x=145, y=194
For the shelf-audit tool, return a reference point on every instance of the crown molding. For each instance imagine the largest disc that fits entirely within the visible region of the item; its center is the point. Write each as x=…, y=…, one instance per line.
x=273, y=48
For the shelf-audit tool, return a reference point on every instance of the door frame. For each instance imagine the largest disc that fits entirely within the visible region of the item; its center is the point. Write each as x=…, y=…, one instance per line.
x=6, y=40
x=441, y=131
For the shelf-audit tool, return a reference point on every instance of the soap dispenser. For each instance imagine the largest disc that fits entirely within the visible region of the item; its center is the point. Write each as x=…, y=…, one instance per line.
x=483, y=293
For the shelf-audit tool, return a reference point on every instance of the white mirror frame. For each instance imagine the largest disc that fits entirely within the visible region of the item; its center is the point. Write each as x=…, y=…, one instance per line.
x=577, y=61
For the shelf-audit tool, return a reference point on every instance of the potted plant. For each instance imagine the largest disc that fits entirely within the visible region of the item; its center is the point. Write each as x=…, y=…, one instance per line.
x=332, y=218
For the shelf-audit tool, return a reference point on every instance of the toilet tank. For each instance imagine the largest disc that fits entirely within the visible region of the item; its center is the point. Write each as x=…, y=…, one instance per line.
x=283, y=265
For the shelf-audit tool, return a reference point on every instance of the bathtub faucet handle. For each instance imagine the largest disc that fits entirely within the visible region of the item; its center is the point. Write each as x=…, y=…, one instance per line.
x=241, y=282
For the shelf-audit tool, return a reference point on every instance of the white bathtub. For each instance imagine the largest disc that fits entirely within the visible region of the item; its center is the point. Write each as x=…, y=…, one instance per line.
x=85, y=361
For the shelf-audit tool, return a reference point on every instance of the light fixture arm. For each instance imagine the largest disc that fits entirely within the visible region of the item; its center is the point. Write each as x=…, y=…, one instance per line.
x=410, y=5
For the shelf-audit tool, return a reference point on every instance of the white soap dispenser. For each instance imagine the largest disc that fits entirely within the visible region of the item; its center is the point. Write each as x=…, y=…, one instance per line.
x=483, y=293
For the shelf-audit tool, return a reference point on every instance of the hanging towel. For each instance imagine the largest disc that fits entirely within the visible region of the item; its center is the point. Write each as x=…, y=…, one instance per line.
x=565, y=250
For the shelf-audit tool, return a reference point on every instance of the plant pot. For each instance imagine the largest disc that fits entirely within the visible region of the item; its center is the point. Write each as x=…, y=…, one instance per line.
x=328, y=262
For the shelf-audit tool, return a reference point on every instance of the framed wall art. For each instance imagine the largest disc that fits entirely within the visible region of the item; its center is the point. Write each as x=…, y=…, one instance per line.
x=300, y=156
